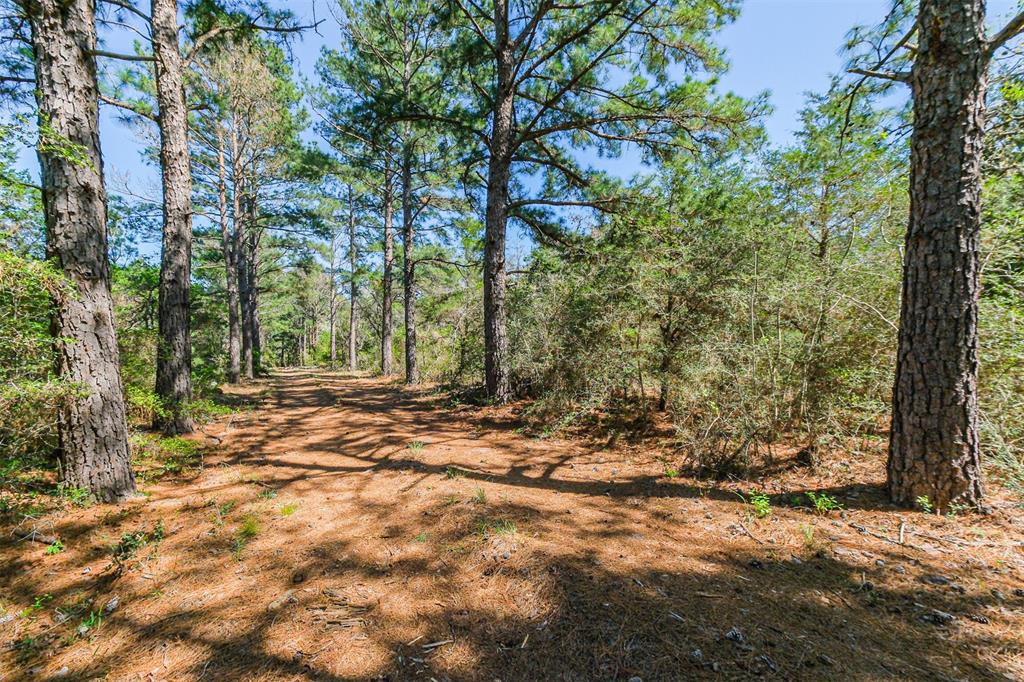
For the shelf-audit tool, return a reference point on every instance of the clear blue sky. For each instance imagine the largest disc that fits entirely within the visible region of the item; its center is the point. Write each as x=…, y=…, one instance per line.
x=788, y=47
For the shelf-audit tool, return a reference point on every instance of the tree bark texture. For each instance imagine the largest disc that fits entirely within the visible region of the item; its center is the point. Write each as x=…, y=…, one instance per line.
x=174, y=352
x=496, y=345
x=92, y=427
x=353, y=310
x=332, y=313
x=934, y=450
x=412, y=371
x=228, y=244
x=387, y=360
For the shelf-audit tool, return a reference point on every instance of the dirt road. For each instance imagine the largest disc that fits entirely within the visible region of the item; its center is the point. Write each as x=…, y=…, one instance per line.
x=349, y=530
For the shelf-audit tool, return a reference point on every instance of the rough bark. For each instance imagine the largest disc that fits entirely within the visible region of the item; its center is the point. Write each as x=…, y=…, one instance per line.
x=248, y=283
x=387, y=360
x=230, y=266
x=353, y=316
x=244, y=302
x=242, y=265
x=174, y=352
x=333, y=300
x=92, y=428
x=934, y=450
x=496, y=346
x=412, y=372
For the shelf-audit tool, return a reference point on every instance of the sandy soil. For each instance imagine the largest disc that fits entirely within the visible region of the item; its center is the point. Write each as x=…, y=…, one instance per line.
x=350, y=530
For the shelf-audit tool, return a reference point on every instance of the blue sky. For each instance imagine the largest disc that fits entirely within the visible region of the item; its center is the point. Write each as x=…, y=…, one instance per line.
x=788, y=47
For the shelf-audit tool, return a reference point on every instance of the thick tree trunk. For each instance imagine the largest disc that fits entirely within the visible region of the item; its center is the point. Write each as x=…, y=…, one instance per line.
x=353, y=310
x=174, y=352
x=387, y=360
x=934, y=449
x=91, y=424
x=230, y=267
x=496, y=348
x=412, y=371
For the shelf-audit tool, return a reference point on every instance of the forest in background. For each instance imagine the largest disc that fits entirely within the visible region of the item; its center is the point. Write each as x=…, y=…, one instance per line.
x=749, y=292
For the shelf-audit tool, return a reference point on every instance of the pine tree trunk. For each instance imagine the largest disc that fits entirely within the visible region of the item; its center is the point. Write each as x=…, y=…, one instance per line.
x=230, y=266
x=242, y=265
x=353, y=311
x=496, y=346
x=412, y=371
x=934, y=449
x=174, y=352
x=387, y=360
x=92, y=427
x=333, y=300
x=254, y=284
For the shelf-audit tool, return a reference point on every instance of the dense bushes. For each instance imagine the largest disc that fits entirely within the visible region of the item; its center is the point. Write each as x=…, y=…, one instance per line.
x=758, y=301
x=29, y=390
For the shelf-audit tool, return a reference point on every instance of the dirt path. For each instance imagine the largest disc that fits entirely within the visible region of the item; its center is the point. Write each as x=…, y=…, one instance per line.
x=349, y=530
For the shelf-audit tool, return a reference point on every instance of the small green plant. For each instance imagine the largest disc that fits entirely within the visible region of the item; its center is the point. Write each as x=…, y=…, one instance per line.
x=131, y=543
x=480, y=496
x=416, y=446
x=956, y=508
x=489, y=527
x=222, y=512
x=924, y=504
x=38, y=604
x=268, y=494
x=422, y=537
x=761, y=503
x=453, y=472
x=823, y=503
x=91, y=622
x=807, y=531
x=289, y=509
x=80, y=497
x=25, y=648
x=672, y=472
x=55, y=547
x=249, y=529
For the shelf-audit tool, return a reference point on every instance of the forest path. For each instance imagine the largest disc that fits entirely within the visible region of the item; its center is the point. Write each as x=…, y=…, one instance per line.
x=350, y=529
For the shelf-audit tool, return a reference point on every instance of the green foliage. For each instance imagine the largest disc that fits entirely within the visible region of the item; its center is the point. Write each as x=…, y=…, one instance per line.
x=55, y=547
x=490, y=527
x=131, y=543
x=451, y=472
x=157, y=456
x=823, y=503
x=38, y=604
x=289, y=509
x=30, y=393
x=249, y=529
x=761, y=504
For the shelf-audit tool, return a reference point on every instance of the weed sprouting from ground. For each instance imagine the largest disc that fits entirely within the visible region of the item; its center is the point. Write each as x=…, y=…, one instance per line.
x=490, y=527
x=130, y=545
x=289, y=509
x=249, y=529
x=761, y=503
x=823, y=503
